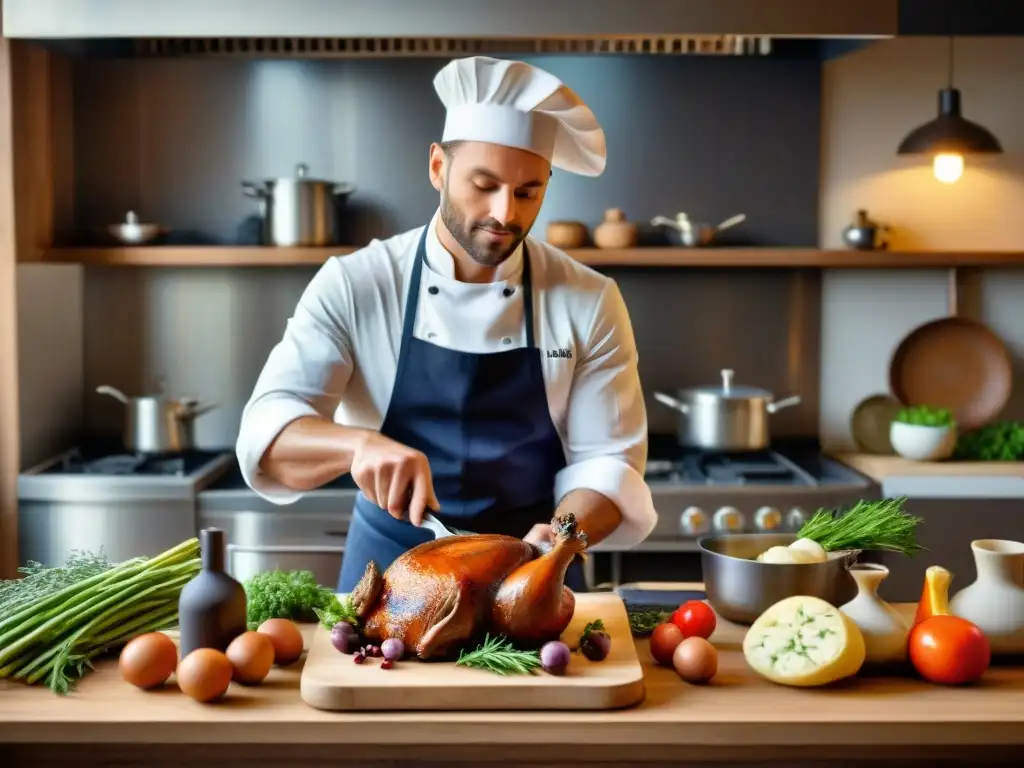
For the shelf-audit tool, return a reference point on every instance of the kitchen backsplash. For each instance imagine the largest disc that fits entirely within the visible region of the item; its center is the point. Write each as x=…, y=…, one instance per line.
x=207, y=334
x=173, y=139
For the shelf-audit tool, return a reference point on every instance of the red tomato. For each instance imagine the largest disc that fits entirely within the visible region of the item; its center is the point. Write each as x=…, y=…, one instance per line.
x=695, y=618
x=664, y=640
x=949, y=650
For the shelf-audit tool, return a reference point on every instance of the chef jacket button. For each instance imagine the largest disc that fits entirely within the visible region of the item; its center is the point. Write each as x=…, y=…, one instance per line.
x=432, y=290
x=506, y=340
x=431, y=335
x=508, y=292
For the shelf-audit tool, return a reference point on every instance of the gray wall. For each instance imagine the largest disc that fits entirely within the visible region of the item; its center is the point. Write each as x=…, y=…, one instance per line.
x=172, y=140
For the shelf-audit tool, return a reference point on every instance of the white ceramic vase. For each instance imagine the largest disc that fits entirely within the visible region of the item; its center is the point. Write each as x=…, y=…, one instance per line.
x=995, y=601
x=884, y=628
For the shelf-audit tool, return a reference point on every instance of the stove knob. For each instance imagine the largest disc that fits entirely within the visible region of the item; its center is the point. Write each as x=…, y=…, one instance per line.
x=796, y=518
x=693, y=521
x=767, y=518
x=729, y=520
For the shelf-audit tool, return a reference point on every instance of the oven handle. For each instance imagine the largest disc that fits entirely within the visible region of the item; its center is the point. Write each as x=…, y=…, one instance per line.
x=270, y=549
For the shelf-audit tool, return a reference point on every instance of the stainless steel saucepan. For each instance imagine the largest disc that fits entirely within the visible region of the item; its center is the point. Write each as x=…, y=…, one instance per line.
x=726, y=418
x=155, y=424
x=299, y=210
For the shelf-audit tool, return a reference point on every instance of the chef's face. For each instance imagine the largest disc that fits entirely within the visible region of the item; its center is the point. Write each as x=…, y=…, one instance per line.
x=490, y=196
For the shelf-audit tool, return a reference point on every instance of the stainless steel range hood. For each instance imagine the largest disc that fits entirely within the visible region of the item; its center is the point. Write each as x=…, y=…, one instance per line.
x=446, y=19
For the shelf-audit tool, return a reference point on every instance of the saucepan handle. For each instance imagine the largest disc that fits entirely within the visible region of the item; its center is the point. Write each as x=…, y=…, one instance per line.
x=671, y=402
x=778, y=405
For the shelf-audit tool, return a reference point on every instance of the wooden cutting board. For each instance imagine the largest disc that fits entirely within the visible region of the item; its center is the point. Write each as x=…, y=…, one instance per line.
x=332, y=681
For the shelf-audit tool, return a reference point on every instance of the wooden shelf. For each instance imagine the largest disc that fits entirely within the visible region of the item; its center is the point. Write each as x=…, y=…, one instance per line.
x=234, y=256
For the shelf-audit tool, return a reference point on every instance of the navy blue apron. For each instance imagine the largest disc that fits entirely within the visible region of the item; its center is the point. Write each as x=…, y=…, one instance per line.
x=482, y=420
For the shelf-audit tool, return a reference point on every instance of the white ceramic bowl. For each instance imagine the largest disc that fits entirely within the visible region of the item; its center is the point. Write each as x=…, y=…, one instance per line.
x=920, y=443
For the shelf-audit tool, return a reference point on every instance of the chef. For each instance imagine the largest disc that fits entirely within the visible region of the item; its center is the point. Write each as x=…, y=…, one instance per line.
x=464, y=368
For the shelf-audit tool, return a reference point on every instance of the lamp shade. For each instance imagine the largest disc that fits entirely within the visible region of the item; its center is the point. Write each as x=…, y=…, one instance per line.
x=950, y=132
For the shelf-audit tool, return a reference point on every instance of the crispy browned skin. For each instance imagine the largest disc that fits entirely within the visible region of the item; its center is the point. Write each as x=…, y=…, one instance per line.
x=438, y=596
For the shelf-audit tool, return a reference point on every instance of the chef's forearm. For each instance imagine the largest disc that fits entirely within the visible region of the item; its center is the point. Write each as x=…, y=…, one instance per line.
x=595, y=513
x=311, y=451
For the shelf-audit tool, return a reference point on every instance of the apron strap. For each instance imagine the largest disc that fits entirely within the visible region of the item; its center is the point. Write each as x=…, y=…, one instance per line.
x=412, y=300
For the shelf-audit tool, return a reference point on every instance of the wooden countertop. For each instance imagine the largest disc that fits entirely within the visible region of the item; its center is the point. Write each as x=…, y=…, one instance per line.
x=879, y=468
x=735, y=715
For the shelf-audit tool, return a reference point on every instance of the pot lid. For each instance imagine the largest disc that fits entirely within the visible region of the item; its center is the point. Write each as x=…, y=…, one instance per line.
x=301, y=176
x=730, y=391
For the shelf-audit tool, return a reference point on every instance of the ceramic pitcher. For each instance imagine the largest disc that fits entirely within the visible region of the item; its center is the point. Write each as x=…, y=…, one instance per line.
x=995, y=601
x=884, y=628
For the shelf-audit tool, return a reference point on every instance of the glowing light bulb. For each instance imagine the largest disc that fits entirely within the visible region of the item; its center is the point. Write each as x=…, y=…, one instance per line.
x=948, y=168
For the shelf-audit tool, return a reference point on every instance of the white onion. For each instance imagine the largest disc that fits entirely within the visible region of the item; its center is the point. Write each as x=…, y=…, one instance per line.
x=812, y=549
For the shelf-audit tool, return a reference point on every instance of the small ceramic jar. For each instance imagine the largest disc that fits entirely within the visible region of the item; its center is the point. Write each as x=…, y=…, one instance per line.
x=615, y=231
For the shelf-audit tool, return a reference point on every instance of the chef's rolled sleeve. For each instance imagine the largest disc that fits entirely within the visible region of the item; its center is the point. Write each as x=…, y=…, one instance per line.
x=606, y=423
x=305, y=375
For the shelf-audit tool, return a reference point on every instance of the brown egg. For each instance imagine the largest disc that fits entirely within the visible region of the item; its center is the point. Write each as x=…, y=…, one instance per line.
x=252, y=655
x=696, y=660
x=148, y=660
x=205, y=674
x=287, y=640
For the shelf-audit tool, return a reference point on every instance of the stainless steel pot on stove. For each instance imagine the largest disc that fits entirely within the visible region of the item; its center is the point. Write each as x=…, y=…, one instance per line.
x=156, y=424
x=726, y=418
x=298, y=210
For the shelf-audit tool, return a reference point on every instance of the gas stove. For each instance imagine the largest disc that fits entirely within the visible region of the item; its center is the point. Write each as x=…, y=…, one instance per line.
x=100, y=470
x=97, y=498
x=699, y=493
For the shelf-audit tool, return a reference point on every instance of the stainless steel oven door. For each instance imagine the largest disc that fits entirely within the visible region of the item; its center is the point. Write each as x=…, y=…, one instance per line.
x=244, y=562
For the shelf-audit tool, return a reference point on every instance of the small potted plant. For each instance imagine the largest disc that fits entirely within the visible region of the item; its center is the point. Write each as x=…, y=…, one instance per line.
x=923, y=433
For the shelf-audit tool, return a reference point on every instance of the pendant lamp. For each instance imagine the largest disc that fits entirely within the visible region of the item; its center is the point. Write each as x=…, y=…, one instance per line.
x=949, y=136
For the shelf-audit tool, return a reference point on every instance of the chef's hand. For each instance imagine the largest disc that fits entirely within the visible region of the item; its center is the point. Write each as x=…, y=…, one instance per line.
x=394, y=477
x=541, y=536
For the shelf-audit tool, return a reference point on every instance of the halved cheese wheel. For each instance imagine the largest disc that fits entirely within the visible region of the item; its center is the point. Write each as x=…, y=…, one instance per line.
x=804, y=642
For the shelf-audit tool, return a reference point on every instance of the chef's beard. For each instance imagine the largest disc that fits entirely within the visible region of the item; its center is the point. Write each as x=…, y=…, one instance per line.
x=484, y=253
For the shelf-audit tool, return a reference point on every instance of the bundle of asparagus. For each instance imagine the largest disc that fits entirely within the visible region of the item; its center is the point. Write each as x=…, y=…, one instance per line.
x=54, y=621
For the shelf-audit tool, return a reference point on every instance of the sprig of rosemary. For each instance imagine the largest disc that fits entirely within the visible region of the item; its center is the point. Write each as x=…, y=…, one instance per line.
x=499, y=656
x=867, y=526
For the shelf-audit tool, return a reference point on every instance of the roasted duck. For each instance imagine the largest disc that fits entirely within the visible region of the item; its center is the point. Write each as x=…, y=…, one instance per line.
x=442, y=595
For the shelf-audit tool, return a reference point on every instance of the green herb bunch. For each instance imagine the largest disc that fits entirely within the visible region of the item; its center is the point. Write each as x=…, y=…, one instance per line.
x=867, y=526
x=1000, y=441
x=925, y=416
x=293, y=595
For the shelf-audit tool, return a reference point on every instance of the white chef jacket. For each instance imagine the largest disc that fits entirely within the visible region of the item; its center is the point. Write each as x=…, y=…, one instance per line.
x=339, y=357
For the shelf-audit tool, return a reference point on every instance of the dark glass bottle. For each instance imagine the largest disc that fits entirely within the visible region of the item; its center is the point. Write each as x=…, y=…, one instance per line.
x=211, y=609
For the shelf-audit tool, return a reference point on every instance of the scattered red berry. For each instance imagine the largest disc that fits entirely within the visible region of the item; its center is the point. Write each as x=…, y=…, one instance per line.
x=359, y=658
x=387, y=664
